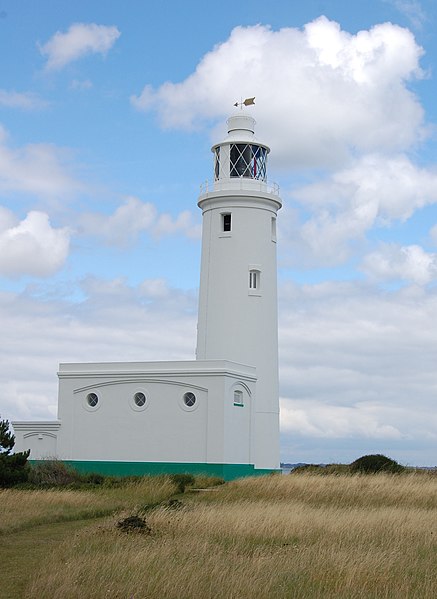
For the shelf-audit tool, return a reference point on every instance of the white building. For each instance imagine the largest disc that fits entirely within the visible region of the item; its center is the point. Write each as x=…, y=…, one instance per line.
x=218, y=414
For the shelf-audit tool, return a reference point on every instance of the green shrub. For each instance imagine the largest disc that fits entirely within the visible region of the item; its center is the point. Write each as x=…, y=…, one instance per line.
x=371, y=464
x=93, y=478
x=337, y=469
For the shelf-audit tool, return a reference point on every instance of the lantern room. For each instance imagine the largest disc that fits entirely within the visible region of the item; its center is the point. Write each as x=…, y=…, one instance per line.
x=240, y=155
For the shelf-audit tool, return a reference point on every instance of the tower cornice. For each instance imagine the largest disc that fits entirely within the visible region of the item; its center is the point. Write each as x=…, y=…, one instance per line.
x=239, y=198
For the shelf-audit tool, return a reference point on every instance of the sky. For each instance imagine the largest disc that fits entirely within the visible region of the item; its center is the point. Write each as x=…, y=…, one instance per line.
x=108, y=111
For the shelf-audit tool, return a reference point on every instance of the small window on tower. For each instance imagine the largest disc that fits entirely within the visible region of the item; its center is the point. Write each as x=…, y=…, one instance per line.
x=273, y=228
x=253, y=279
x=226, y=222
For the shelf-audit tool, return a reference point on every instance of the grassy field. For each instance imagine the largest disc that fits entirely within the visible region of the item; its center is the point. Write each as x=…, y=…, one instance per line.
x=296, y=536
x=22, y=509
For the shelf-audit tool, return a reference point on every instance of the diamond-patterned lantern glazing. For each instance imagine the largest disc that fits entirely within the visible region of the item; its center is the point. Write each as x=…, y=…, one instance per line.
x=241, y=160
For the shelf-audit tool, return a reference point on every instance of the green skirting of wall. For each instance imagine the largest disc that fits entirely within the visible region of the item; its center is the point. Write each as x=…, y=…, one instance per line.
x=226, y=471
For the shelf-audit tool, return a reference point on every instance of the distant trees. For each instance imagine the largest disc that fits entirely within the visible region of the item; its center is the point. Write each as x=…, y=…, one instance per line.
x=377, y=462
x=367, y=464
x=13, y=466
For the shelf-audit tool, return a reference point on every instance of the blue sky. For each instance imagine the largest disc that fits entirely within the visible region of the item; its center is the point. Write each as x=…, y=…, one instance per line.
x=107, y=115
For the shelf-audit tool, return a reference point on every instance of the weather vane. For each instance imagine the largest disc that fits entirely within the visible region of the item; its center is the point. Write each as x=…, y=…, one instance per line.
x=246, y=102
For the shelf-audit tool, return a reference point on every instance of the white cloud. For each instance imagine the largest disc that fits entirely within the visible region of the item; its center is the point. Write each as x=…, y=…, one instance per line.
x=387, y=187
x=394, y=262
x=23, y=100
x=81, y=84
x=183, y=223
x=32, y=246
x=412, y=9
x=35, y=168
x=115, y=322
x=7, y=219
x=373, y=190
x=79, y=40
x=433, y=234
x=357, y=363
x=321, y=93
x=133, y=217
x=314, y=419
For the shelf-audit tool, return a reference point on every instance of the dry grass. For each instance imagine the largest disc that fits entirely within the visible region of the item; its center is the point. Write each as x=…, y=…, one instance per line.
x=22, y=508
x=277, y=537
x=416, y=490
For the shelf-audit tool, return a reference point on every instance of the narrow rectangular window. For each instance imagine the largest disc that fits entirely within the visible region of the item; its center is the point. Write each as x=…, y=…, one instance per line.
x=253, y=279
x=226, y=222
x=273, y=228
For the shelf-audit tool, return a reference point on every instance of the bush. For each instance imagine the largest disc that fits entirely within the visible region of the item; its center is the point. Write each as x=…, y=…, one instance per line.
x=53, y=473
x=93, y=478
x=337, y=469
x=182, y=481
x=371, y=464
x=305, y=468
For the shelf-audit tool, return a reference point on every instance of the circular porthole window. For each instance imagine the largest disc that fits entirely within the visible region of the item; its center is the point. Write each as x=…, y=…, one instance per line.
x=92, y=400
x=140, y=399
x=189, y=399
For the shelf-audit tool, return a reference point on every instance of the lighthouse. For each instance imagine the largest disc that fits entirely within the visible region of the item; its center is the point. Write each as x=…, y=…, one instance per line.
x=238, y=281
x=217, y=414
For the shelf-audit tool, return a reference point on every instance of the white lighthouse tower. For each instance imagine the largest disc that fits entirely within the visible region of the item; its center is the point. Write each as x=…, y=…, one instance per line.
x=218, y=414
x=238, y=281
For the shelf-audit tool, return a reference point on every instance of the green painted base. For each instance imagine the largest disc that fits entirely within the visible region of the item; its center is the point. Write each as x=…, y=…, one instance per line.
x=225, y=471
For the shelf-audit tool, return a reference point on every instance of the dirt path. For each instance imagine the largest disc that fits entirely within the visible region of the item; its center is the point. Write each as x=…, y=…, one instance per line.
x=23, y=552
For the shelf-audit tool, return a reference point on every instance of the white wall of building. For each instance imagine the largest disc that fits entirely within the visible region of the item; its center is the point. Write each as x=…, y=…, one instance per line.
x=214, y=430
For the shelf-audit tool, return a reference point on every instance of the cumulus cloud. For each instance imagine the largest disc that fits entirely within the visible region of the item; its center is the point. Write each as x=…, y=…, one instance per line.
x=79, y=40
x=321, y=93
x=23, y=100
x=314, y=419
x=324, y=98
x=133, y=217
x=35, y=168
x=32, y=246
x=394, y=262
x=373, y=190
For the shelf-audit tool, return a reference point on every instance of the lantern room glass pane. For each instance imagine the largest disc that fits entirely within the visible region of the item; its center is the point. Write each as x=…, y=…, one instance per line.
x=217, y=164
x=249, y=161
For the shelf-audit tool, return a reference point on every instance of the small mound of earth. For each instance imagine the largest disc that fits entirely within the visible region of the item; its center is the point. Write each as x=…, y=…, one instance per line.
x=134, y=524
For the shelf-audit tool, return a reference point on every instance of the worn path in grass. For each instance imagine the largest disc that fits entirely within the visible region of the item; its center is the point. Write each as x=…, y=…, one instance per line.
x=23, y=552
